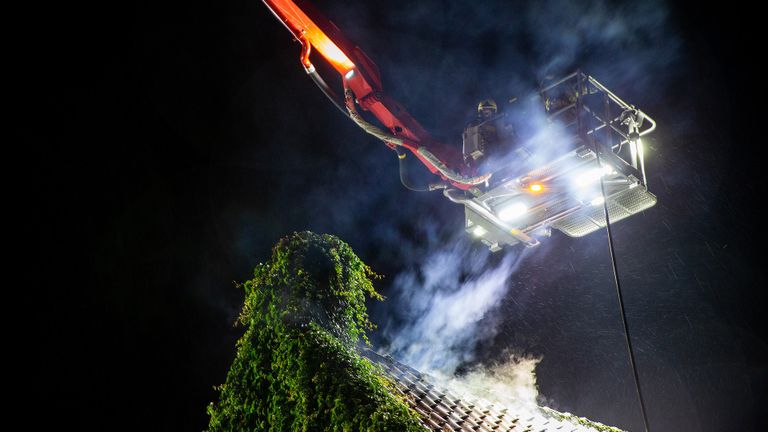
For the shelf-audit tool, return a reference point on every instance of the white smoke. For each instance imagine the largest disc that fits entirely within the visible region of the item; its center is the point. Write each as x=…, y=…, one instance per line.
x=449, y=305
x=511, y=383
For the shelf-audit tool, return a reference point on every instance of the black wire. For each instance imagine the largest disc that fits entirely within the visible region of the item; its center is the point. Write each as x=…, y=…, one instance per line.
x=328, y=92
x=621, y=307
x=617, y=282
x=401, y=156
x=331, y=95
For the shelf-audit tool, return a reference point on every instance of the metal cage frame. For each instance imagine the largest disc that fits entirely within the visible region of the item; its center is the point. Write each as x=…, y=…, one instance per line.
x=607, y=133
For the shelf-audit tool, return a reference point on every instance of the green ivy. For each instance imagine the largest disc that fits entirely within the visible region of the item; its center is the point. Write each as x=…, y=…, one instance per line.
x=296, y=368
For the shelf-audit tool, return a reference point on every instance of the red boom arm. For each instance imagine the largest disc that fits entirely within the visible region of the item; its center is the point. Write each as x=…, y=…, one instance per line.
x=361, y=78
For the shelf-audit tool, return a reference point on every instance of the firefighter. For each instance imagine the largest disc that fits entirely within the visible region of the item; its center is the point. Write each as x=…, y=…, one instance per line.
x=487, y=109
x=489, y=138
x=481, y=136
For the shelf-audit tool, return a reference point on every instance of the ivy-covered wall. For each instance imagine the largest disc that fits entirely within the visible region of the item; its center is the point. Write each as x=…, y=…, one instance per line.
x=296, y=368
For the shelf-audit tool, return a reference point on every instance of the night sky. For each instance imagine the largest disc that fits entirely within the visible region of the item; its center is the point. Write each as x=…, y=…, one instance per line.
x=171, y=145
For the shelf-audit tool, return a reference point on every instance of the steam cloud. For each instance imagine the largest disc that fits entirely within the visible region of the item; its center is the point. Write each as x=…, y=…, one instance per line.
x=511, y=383
x=448, y=304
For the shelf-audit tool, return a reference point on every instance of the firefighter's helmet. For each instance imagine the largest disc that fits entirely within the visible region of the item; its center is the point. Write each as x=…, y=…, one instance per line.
x=487, y=105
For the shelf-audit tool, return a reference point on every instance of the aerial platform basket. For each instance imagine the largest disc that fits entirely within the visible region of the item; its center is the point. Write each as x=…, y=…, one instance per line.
x=605, y=134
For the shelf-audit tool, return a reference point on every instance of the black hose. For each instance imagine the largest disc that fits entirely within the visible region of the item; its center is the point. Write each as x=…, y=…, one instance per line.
x=616, y=279
x=423, y=152
x=327, y=91
x=617, y=282
x=401, y=156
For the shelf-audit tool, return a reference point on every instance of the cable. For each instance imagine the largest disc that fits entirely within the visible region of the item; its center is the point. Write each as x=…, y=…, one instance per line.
x=378, y=133
x=421, y=151
x=617, y=282
x=388, y=138
x=331, y=95
x=401, y=156
x=327, y=91
x=351, y=112
x=621, y=305
x=306, y=50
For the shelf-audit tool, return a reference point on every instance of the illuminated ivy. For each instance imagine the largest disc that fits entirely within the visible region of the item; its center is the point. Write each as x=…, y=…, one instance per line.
x=296, y=368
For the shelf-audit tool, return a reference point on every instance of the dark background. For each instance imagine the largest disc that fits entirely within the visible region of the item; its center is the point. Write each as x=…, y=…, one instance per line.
x=171, y=145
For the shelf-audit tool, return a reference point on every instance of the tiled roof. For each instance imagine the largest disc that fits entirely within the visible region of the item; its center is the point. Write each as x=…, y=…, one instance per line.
x=442, y=410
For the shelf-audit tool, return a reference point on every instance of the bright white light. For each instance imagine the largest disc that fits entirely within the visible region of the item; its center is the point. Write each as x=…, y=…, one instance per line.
x=633, y=152
x=512, y=211
x=349, y=74
x=593, y=175
x=589, y=177
x=597, y=201
x=479, y=231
